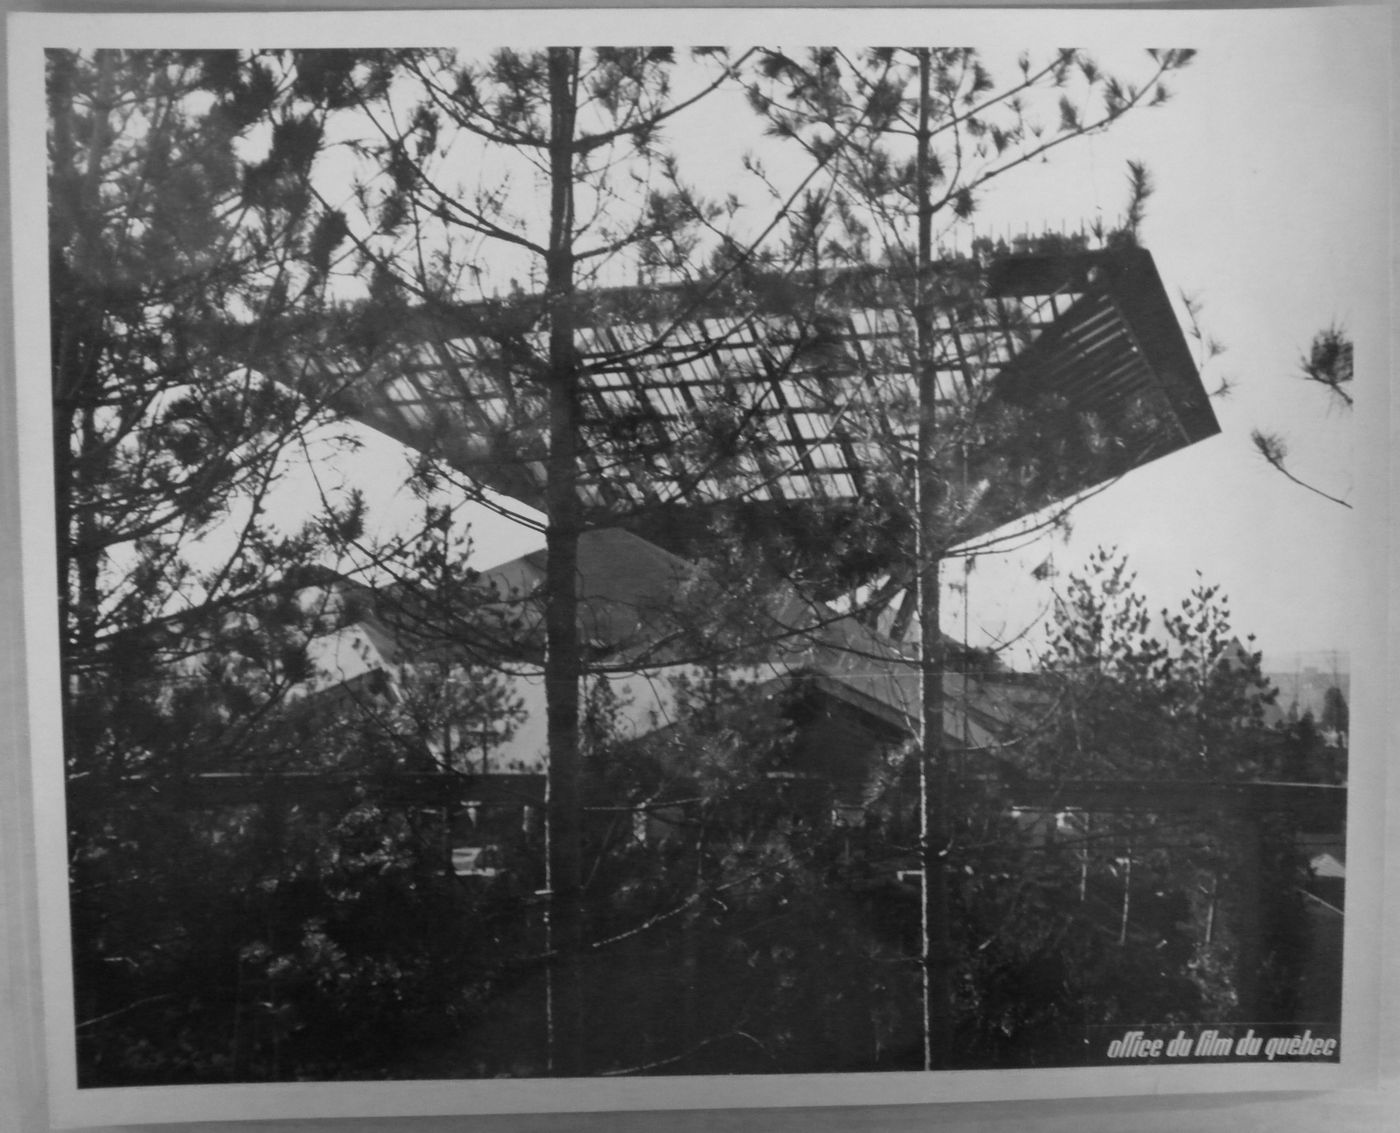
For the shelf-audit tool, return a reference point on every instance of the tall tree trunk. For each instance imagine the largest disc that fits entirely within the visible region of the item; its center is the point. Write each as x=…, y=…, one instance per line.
x=75, y=237
x=933, y=762
x=562, y=659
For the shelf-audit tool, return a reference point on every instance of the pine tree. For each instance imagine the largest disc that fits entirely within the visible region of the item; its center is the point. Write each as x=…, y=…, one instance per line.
x=581, y=119
x=1139, y=696
x=1329, y=364
x=914, y=136
x=184, y=238
x=408, y=289
x=581, y=122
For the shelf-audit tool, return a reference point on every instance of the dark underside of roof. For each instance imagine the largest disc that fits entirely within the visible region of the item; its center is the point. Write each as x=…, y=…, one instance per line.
x=787, y=410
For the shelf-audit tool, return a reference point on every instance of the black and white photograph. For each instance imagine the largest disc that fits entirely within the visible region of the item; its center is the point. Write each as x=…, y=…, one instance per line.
x=783, y=562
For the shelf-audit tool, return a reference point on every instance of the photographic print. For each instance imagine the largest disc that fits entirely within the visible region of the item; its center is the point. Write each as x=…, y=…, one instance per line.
x=785, y=562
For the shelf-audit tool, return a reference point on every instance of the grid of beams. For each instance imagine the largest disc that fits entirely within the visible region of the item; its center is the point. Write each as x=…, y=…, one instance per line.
x=814, y=401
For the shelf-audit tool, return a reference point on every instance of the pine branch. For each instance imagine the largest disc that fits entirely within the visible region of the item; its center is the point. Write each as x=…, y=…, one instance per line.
x=1275, y=451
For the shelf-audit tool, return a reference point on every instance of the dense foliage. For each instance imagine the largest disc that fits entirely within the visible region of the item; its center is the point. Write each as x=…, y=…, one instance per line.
x=211, y=940
x=281, y=736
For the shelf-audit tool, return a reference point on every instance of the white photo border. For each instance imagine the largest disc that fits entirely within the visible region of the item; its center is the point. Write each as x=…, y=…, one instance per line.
x=30, y=33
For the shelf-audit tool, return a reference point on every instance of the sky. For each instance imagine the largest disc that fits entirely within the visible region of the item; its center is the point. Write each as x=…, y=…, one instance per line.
x=1269, y=167
x=1270, y=172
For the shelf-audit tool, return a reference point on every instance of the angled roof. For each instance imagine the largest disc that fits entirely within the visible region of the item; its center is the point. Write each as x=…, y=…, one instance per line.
x=1073, y=362
x=630, y=603
x=633, y=612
